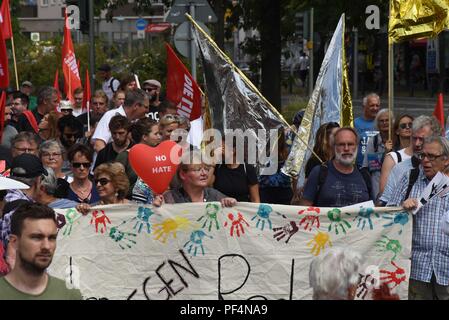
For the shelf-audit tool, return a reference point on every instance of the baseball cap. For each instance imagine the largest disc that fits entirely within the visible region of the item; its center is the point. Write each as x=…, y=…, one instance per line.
x=105, y=68
x=153, y=82
x=27, y=166
x=65, y=105
x=27, y=84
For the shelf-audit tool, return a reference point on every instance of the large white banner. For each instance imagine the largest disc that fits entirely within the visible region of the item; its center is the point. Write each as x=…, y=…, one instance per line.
x=203, y=251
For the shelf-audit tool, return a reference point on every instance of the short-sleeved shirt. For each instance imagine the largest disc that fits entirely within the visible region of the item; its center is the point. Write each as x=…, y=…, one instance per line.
x=178, y=195
x=235, y=183
x=107, y=154
x=56, y=290
x=365, y=130
x=396, y=174
x=94, y=196
x=102, y=131
x=338, y=190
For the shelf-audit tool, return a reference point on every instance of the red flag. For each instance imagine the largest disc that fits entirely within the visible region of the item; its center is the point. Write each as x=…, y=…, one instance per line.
x=87, y=93
x=5, y=20
x=182, y=88
x=4, y=72
x=72, y=78
x=2, y=113
x=438, y=112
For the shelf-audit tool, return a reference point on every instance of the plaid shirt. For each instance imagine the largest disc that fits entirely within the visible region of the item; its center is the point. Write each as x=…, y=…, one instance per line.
x=430, y=246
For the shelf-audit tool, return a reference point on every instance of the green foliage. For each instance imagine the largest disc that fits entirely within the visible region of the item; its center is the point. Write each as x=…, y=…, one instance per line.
x=291, y=108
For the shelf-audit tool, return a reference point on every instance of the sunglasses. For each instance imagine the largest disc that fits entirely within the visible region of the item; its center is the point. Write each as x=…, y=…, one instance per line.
x=407, y=125
x=102, y=181
x=79, y=164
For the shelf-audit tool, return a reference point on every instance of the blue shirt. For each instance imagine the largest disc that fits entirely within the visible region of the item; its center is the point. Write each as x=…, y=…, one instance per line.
x=338, y=190
x=430, y=246
x=365, y=130
x=94, y=197
x=396, y=174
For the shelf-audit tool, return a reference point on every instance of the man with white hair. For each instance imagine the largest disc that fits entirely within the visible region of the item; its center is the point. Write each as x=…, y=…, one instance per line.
x=334, y=275
x=338, y=182
x=365, y=125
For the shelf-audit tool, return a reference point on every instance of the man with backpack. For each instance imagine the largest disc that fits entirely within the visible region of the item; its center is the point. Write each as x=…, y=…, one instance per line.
x=339, y=182
x=422, y=128
x=429, y=275
x=110, y=84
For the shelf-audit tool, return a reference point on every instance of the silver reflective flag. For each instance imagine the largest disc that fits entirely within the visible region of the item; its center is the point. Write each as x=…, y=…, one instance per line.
x=325, y=105
x=234, y=102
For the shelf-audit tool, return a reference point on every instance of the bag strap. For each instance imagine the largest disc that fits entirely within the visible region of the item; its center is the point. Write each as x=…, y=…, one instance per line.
x=32, y=120
x=322, y=175
x=398, y=154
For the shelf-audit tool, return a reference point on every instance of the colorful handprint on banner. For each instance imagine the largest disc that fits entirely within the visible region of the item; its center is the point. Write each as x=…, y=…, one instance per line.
x=196, y=242
x=170, y=226
x=364, y=217
x=336, y=221
x=319, y=242
x=236, y=224
x=310, y=220
x=263, y=216
x=210, y=217
x=100, y=218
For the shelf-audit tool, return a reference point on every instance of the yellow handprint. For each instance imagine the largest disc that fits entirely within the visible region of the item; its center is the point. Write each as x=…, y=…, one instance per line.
x=319, y=242
x=163, y=230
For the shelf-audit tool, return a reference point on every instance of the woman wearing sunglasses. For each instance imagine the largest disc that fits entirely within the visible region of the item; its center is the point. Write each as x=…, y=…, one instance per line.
x=81, y=189
x=403, y=151
x=112, y=184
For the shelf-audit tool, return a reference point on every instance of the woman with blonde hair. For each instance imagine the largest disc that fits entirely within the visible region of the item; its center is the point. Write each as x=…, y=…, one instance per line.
x=112, y=185
x=167, y=124
x=48, y=127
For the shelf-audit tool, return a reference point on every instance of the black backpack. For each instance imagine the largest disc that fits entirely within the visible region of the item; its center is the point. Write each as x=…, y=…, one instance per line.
x=322, y=175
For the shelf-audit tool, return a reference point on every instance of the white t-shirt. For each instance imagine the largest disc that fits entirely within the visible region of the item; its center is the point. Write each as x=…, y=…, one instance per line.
x=196, y=132
x=107, y=87
x=78, y=112
x=404, y=156
x=102, y=131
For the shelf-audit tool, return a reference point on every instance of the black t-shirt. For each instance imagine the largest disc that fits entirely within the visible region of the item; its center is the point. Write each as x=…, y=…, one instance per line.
x=235, y=182
x=311, y=163
x=83, y=119
x=107, y=154
x=154, y=113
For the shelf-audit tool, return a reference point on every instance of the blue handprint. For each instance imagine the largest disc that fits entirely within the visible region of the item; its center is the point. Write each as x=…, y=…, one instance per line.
x=196, y=241
x=364, y=216
x=400, y=218
x=262, y=215
x=143, y=218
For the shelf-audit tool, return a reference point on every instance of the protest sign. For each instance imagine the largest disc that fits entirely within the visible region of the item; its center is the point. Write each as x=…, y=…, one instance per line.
x=203, y=251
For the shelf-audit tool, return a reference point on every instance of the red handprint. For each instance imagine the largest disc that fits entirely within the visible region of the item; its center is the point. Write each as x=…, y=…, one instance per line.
x=310, y=220
x=396, y=277
x=236, y=224
x=100, y=217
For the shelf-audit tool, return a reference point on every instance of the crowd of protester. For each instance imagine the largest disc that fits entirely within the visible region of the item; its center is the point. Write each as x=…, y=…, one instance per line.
x=71, y=158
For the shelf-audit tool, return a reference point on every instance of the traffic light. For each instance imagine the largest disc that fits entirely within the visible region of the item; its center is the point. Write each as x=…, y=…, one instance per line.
x=83, y=6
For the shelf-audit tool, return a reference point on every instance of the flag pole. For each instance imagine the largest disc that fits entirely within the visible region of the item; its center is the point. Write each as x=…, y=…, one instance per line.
x=390, y=86
x=251, y=85
x=15, y=63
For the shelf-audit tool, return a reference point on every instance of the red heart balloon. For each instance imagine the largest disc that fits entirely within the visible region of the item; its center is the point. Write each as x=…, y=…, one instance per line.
x=156, y=166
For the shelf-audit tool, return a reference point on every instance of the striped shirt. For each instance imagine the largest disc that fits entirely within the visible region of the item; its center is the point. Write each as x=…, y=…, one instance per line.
x=430, y=246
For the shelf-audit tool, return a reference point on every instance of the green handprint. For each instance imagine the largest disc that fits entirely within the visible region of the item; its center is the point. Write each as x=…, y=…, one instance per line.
x=125, y=238
x=387, y=244
x=71, y=216
x=336, y=220
x=210, y=216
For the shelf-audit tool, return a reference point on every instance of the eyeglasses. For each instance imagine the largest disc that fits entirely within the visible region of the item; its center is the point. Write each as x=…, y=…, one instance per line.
x=52, y=155
x=206, y=169
x=407, y=125
x=102, y=181
x=79, y=164
x=431, y=157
